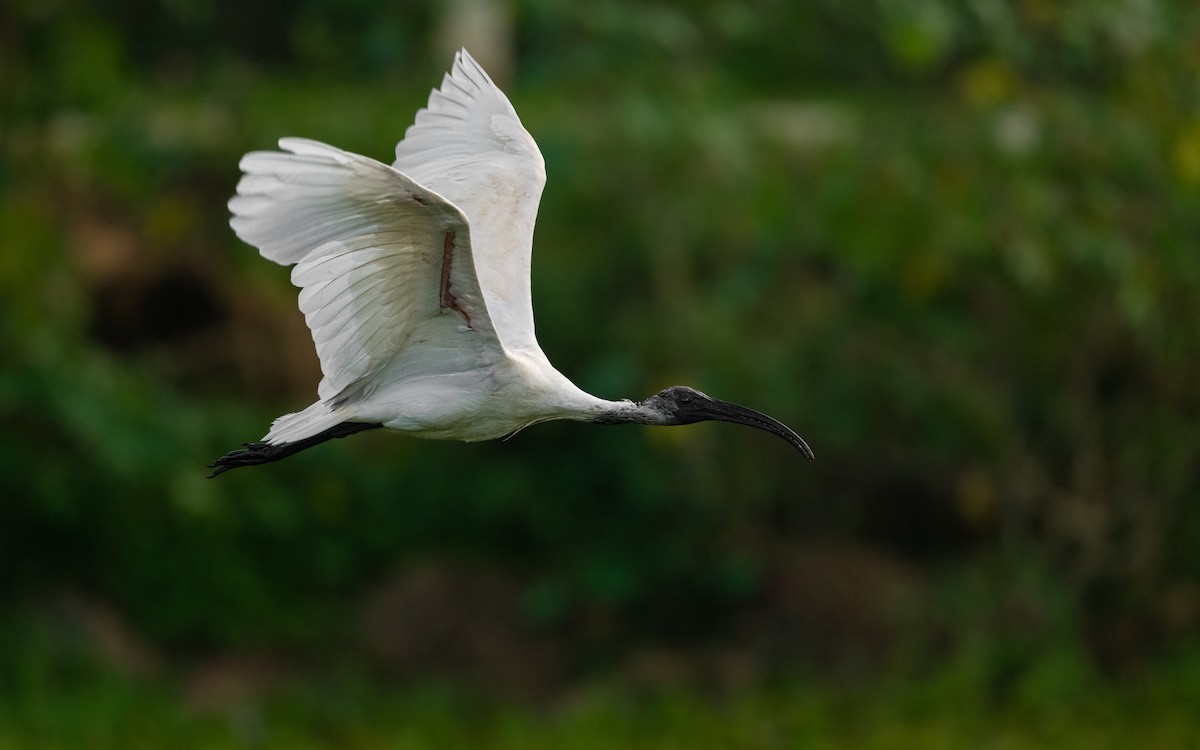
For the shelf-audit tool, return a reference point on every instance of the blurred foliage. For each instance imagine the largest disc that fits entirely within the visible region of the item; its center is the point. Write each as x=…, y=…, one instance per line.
x=944, y=710
x=954, y=244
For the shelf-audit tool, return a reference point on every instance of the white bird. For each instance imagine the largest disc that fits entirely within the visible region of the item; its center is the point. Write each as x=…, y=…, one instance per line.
x=414, y=279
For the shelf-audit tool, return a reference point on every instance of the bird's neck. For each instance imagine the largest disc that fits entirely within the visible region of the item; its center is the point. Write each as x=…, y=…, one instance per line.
x=627, y=412
x=569, y=401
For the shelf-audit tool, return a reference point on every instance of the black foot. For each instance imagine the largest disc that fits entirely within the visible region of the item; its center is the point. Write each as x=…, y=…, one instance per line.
x=250, y=454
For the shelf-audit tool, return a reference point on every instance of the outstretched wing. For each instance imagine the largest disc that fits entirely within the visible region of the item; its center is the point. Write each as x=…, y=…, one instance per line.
x=469, y=146
x=376, y=254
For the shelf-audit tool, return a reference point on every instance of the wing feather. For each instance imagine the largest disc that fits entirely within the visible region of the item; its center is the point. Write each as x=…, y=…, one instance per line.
x=469, y=146
x=368, y=245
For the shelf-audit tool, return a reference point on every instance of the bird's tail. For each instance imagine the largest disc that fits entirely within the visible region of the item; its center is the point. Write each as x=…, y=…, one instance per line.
x=303, y=424
x=252, y=454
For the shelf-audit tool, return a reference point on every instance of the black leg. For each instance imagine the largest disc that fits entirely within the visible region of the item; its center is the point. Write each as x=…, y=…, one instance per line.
x=252, y=454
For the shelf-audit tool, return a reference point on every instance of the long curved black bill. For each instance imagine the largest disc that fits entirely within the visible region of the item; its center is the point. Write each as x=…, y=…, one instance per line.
x=724, y=411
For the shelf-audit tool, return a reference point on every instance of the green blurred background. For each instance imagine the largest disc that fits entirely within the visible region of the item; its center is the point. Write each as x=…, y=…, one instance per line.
x=953, y=244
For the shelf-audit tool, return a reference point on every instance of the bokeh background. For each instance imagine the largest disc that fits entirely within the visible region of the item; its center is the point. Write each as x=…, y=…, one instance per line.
x=954, y=244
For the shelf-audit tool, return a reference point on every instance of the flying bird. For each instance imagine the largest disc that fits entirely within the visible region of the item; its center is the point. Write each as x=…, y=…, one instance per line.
x=414, y=279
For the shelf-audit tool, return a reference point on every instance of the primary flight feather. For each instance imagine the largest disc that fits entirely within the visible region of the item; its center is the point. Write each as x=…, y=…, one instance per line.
x=414, y=279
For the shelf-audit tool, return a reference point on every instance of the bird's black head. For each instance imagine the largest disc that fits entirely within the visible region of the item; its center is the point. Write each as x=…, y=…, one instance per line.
x=680, y=404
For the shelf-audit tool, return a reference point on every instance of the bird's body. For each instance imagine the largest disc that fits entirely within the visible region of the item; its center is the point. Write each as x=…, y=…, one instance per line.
x=414, y=280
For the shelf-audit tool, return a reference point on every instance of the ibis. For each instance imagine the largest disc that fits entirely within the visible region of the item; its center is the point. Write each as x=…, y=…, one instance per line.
x=414, y=279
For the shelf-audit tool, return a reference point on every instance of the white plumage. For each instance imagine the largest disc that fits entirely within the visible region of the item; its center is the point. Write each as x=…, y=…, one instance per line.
x=414, y=280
